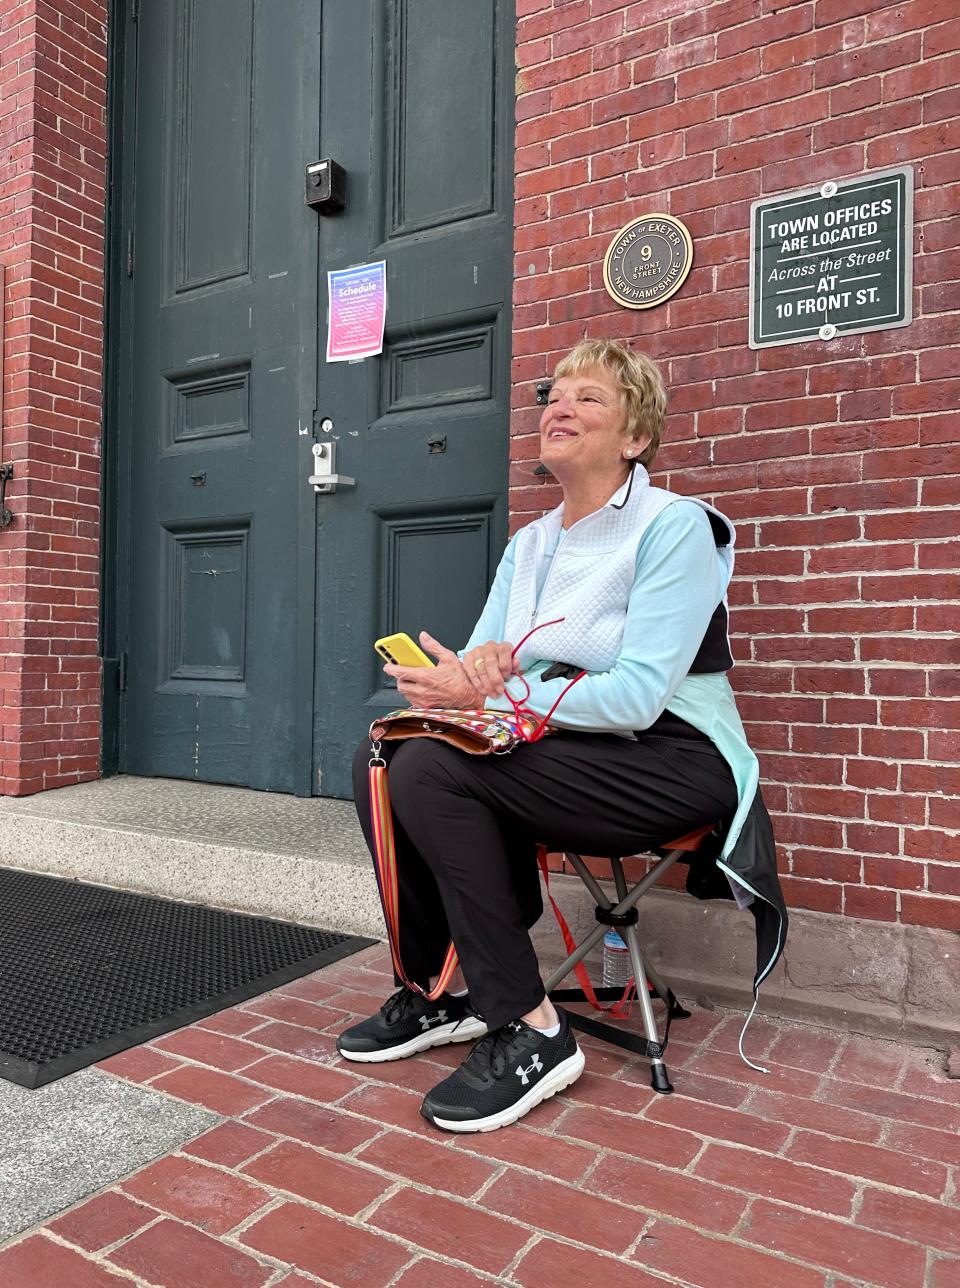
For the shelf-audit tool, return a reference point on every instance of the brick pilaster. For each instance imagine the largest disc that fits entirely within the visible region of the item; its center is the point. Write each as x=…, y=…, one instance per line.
x=53, y=76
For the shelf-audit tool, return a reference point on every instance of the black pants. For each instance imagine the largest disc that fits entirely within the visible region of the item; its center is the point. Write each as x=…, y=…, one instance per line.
x=467, y=829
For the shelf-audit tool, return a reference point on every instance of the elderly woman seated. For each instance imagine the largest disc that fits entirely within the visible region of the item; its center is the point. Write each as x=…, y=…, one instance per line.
x=628, y=583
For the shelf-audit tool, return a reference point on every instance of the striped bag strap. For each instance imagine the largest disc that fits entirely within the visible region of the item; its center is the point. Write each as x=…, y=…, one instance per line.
x=385, y=865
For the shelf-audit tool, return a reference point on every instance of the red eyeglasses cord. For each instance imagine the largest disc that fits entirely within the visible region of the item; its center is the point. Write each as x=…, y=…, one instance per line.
x=523, y=713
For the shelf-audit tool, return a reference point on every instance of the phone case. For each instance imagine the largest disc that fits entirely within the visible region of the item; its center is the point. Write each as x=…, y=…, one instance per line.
x=401, y=649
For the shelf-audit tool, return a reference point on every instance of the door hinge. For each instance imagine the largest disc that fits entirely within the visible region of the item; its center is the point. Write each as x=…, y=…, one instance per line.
x=134, y=10
x=130, y=253
x=122, y=673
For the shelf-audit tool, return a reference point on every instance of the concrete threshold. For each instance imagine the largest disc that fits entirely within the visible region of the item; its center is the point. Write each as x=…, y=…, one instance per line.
x=260, y=852
x=305, y=861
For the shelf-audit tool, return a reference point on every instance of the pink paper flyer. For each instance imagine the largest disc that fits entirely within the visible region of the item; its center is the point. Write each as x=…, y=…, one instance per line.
x=357, y=309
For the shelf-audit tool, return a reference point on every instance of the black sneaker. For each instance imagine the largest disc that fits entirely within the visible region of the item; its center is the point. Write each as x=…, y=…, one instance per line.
x=504, y=1076
x=408, y=1023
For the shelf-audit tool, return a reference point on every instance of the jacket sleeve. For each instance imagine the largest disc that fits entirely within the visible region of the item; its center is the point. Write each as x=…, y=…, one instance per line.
x=679, y=580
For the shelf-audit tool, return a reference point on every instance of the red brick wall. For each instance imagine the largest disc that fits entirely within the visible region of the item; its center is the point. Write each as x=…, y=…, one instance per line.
x=834, y=459
x=52, y=176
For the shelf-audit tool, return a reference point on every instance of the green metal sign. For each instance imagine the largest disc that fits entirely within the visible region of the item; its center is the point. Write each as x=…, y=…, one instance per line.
x=832, y=260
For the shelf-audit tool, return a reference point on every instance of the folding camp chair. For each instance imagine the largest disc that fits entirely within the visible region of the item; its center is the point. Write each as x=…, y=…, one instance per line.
x=623, y=916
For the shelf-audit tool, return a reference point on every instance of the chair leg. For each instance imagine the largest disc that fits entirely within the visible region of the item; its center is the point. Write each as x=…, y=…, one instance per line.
x=659, y=1079
x=626, y=900
x=666, y=993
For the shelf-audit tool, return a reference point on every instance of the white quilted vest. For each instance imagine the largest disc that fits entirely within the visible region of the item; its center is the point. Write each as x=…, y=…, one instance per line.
x=591, y=576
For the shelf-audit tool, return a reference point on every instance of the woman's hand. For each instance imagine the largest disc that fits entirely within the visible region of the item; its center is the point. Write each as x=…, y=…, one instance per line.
x=445, y=685
x=489, y=666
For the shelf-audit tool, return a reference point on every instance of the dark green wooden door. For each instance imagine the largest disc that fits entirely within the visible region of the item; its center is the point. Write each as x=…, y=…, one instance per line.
x=417, y=103
x=249, y=602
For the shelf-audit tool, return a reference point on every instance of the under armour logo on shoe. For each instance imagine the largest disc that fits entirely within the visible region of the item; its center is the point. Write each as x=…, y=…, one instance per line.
x=536, y=1066
x=439, y=1018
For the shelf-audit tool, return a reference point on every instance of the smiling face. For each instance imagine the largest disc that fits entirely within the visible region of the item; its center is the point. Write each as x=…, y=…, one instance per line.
x=583, y=429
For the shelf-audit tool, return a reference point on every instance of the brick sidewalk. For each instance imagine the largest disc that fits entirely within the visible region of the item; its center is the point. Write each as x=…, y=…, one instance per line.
x=838, y=1168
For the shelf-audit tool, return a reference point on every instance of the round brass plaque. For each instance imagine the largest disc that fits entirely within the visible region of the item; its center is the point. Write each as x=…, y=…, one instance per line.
x=647, y=261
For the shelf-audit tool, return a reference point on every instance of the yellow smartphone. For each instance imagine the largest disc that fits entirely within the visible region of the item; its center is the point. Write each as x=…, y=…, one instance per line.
x=402, y=650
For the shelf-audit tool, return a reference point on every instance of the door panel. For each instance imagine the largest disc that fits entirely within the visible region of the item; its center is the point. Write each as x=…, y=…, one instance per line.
x=211, y=193
x=223, y=350
x=423, y=428
x=441, y=150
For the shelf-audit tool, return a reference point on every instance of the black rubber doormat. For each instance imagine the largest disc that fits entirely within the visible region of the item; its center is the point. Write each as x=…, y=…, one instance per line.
x=86, y=972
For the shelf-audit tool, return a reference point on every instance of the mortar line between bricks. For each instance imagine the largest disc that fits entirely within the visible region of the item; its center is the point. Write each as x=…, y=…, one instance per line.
x=795, y=1206
x=585, y=1177
x=389, y=1235
x=856, y=1204
x=835, y=1059
x=229, y=1240
x=738, y=1238
x=928, y=1268
x=275, y=1093
x=751, y=1149
x=280, y=1274
x=739, y=1145
x=242, y=1073
x=249, y=1038
x=252, y=1004
x=507, y=1272
x=615, y=1258
x=500, y=1166
x=225, y=1167
x=117, y=1243
x=499, y=1172
x=752, y=1095
x=361, y=1145
x=428, y=1254
x=399, y=1185
x=97, y=1258
x=935, y=1257
x=402, y=1271
x=277, y=1200
x=704, y=1146
x=792, y=1135
x=854, y=1178
x=644, y=1229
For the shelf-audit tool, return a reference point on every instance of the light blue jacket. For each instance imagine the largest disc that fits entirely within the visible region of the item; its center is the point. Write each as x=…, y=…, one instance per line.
x=680, y=578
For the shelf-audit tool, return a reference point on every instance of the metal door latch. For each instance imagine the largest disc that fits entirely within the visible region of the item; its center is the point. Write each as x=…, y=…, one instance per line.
x=325, y=477
x=6, y=515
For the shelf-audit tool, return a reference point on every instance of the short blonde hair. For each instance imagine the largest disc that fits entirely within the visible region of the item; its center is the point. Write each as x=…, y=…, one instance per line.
x=637, y=376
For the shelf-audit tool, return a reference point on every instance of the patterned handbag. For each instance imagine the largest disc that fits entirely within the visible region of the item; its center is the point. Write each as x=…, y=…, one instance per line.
x=481, y=732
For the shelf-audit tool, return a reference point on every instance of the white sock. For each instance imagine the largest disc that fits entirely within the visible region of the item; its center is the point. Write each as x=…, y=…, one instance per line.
x=548, y=1033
